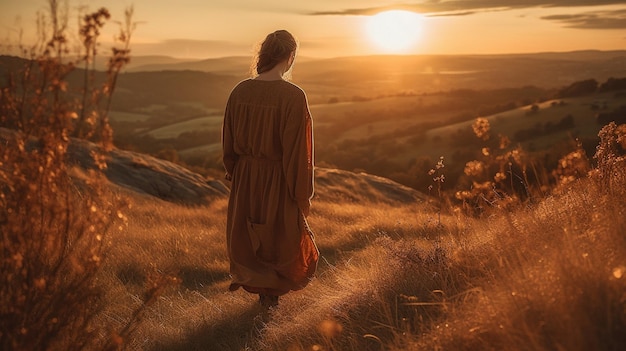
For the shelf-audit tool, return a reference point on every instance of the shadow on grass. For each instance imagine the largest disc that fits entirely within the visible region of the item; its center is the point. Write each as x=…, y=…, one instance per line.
x=236, y=332
x=194, y=278
x=130, y=274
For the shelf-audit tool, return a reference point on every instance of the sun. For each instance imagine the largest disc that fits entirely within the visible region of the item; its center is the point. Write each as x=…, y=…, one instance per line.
x=394, y=31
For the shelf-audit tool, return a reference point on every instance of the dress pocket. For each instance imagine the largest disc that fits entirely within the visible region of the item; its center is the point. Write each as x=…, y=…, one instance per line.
x=262, y=240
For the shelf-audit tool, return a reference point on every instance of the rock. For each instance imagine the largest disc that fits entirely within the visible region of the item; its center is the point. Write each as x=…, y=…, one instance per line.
x=149, y=175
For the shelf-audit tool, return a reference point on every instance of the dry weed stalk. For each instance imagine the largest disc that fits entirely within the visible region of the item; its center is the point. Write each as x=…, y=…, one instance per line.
x=53, y=226
x=499, y=176
x=439, y=178
x=610, y=155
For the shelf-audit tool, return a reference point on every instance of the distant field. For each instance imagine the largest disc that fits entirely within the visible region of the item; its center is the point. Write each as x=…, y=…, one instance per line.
x=196, y=124
x=383, y=118
x=205, y=150
x=119, y=116
x=363, y=119
x=354, y=120
x=509, y=122
x=153, y=108
x=399, y=104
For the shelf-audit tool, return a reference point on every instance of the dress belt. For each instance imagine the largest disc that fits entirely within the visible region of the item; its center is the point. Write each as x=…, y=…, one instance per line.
x=258, y=158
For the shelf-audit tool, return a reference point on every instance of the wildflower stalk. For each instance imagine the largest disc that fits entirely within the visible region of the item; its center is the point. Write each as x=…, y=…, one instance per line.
x=438, y=178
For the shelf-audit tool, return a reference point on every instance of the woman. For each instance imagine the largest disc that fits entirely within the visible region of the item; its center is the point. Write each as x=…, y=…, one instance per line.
x=267, y=141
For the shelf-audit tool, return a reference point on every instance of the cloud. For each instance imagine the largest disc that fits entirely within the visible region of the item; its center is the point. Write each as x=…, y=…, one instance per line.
x=465, y=7
x=449, y=14
x=592, y=20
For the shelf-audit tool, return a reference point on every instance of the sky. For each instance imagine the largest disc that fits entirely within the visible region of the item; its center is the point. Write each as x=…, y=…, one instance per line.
x=197, y=29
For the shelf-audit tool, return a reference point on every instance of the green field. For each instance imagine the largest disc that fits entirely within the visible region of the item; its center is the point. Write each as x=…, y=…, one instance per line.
x=509, y=122
x=204, y=150
x=207, y=123
x=120, y=116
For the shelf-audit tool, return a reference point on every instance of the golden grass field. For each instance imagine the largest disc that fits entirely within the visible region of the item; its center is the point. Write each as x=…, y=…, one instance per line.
x=549, y=275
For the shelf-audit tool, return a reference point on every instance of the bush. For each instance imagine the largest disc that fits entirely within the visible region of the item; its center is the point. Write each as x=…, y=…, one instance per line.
x=53, y=217
x=613, y=84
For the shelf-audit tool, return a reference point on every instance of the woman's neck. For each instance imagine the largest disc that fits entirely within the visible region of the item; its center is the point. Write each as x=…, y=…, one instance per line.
x=269, y=75
x=275, y=73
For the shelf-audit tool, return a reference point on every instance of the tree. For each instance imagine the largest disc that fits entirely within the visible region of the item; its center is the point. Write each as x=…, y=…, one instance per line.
x=580, y=88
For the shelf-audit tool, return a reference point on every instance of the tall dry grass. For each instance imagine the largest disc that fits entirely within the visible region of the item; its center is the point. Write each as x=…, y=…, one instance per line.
x=363, y=245
x=542, y=276
x=554, y=273
x=199, y=313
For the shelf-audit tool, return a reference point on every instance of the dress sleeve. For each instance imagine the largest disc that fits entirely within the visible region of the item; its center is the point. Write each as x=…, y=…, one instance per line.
x=297, y=141
x=229, y=156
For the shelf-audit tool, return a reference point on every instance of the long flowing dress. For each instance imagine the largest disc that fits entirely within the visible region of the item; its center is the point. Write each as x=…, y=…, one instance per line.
x=267, y=141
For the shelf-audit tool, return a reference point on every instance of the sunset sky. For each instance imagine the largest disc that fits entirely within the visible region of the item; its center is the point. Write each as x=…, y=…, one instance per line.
x=331, y=28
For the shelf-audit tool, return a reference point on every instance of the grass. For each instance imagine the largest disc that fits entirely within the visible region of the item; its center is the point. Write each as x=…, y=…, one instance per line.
x=555, y=280
x=188, y=242
x=545, y=277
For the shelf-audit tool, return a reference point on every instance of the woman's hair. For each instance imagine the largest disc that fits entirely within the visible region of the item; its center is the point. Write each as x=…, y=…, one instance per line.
x=276, y=47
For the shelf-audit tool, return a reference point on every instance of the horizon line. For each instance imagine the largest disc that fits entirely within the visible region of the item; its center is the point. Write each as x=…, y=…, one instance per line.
x=316, y=57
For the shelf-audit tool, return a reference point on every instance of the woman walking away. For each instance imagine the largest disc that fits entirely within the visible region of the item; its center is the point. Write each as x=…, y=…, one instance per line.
x=267, y=141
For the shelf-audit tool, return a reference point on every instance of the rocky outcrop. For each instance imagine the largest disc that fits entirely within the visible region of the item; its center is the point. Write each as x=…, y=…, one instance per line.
x=149, y=175
x=140, y=173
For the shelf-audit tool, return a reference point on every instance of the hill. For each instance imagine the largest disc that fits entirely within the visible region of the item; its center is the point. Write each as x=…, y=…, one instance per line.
x=416, y=108
x=144, y=176
x=406, y=73
x=544, y=276
x=344, y=78
x=237, y=66
x=395, y=273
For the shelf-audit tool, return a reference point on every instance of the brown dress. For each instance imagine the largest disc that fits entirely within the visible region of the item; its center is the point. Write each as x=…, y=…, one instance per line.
x=267, y=141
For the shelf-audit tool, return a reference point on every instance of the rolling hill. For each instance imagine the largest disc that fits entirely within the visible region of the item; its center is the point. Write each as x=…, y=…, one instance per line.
x=367, y=108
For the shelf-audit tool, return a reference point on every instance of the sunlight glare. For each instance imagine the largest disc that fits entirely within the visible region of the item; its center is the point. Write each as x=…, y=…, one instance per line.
x=394, y=31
